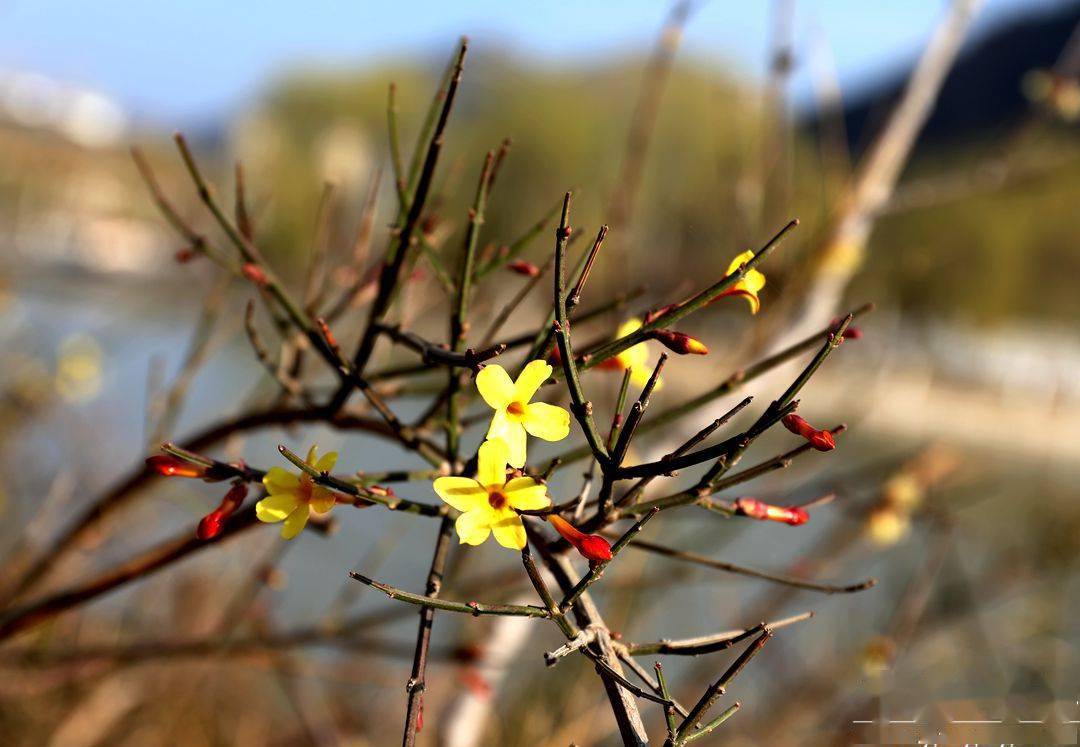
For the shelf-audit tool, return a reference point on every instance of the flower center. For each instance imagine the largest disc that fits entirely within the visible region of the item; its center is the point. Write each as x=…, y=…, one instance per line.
x=496, y=500
x=516, y=408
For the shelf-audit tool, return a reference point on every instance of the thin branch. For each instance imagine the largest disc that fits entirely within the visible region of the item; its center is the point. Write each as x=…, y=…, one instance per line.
x=718, y=688
x=391, y=272
x=631, y=495
x=691, y=557
x=363, y=495
x=416, y=683
x=575, y=295
x=468, y=608
x=708, y=644
x=692, y=304
x=581, y=407
x=434, y=354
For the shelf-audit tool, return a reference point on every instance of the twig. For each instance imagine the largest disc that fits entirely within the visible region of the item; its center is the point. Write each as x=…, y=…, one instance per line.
x=433, y=354
x=708, y=644
x=575, y=295
x=363, y=495
x=718, y=688
x=415, y=686
x=513, y=304
x=691, y=557
x=692, y=304
x=460, y=310
x=391, y=272
x=629, y=497
x=468, y=608
x=581, y=407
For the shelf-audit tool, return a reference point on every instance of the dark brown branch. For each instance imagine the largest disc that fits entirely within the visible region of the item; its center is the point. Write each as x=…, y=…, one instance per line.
x=708, y=644
x=434, y=354
x=691, y=557
x=718, y=688
x=415, y=686
x=391, y=272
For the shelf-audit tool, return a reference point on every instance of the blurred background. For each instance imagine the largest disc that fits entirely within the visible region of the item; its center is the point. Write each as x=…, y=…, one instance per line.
x=696, y=131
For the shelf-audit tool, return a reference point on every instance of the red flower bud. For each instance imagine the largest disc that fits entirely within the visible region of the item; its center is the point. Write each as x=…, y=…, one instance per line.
x=170, y=466
x=255, y=274
x=679, y=343
x=211, y=525
x=820, y=440
x=521, y=267
x=762, y=511
x=183, y=256
x=591, y=546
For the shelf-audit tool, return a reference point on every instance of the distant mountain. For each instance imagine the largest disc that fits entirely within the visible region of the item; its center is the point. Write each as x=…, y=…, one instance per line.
x=982, y=95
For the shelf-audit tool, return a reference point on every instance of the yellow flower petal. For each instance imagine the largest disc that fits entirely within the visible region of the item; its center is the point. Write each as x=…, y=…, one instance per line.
x=512, y=433
x=491, y=462
x=509, y=531
x=495, y=386
x=546, y=421
x=630, y=325
x=279, y=481
x=326, y=463
x=739, y=261
x=461, y=492
x=526, y=493
x=473, y=527
x=275, y=508
x=753, y=300
x=322, y=500
x=312, y=455
x=530, y=379
x=637, y=356
x=640, y=375
x=752, y=281
x=295, y=522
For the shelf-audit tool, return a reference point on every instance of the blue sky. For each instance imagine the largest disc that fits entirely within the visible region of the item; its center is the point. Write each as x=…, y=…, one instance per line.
x=183, y=61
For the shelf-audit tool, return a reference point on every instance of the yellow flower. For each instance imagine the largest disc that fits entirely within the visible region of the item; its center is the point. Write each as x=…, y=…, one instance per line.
x=748, y=287
x=488, y=502
x=635, y=358
x=514, y=414
x=291, y=497
x=886, y=526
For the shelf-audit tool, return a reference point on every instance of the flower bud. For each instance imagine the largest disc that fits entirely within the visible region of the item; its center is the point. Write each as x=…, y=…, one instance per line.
x=820, y=440
x=211, y=525
x=762, y=511
x=679, y=343
x=521, y=267
x=591, y=546
x=170, y=466
x=255, y=274
x=183, y=256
